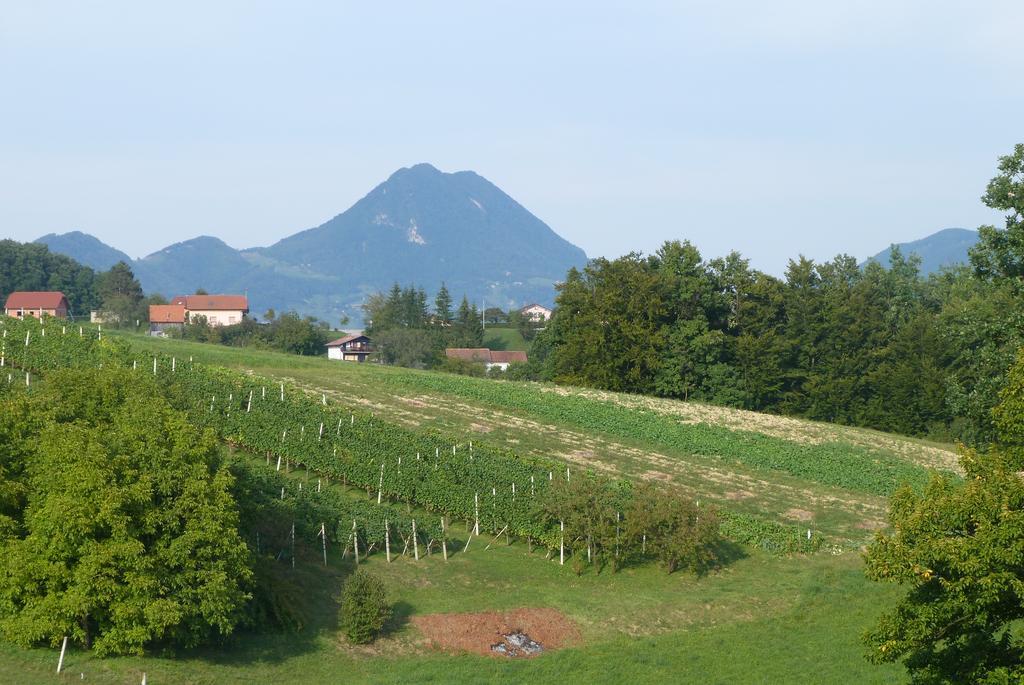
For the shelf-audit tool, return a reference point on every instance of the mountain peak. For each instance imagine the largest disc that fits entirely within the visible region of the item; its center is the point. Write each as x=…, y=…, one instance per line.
x=84, y=248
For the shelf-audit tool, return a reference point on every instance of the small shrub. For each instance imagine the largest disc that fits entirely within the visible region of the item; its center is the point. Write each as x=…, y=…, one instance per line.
x=364, y=607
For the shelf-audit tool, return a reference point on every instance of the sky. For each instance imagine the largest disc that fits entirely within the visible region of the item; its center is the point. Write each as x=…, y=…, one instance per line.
x=774, y=129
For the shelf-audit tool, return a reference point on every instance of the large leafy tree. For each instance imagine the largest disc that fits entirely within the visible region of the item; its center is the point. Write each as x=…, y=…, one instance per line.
x=999, y=254
x=130, y=530
x=959, y=547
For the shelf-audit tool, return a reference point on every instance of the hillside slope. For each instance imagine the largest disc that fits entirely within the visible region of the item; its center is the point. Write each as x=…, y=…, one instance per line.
x=948, y=247
x=833, y=479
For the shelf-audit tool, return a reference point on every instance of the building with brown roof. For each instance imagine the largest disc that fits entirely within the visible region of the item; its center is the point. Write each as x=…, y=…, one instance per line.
x=489, y=358
x=166, y=316
x=351, y=348
x=36, y=303
x=219, y=310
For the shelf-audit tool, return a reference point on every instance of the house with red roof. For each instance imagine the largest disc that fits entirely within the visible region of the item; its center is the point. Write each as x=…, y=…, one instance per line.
x=36, y=303
x=219, y=310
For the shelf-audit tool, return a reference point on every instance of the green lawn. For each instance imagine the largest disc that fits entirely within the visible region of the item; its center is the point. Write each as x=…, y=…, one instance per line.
x=504, y=339
x=761, y=620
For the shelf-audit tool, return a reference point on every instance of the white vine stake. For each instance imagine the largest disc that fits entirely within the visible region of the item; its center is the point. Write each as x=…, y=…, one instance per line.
x=279, y=462
x=323, y=398
x=380, y=485
x=63, y=648
x=444, y=542
x=355, y=540
x=415, y=541
x=154, y=366
x=248, y=407
x=387, y=540
x=532, y=491
x=323, y=534
x=293, y=540
x=282, y=392
x=264, y=391
x=476, y=514
x=174, y=364
x=321, y=436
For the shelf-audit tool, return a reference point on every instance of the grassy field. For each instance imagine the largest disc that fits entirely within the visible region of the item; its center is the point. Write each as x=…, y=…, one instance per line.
x=758, y=619
x=504, y=339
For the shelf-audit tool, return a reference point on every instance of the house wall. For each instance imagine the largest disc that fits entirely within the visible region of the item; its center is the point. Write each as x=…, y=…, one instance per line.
x=334, y=353
x=537, y=313
x=218, y=317
x=61, y=313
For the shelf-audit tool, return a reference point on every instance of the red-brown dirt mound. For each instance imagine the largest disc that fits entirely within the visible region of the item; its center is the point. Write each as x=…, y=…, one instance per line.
x=478, y=632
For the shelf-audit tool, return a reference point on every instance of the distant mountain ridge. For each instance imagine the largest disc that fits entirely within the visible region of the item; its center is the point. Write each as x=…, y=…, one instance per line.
x=85, y=249
x=947, y=247
x=421, y=226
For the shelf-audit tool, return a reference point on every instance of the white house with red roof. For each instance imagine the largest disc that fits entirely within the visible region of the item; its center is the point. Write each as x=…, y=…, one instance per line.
x=219, y=310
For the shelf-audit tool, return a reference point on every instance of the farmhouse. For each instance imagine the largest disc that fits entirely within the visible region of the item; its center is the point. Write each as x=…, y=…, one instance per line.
x=35, y=303
x=489, y=358
x=219, y=310
x=163, y=317
x=351, y=348
x=536, y=312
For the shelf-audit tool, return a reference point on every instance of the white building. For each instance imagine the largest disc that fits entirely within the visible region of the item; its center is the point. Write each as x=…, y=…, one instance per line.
x=536, y=312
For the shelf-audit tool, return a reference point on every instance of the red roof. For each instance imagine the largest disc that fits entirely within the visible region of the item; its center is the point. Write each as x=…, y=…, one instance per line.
x=469, y=354
x=36, y=300
x=507, y=356
x=483, y=354
x=346, y=339
x=213, y=302
x=166, y=313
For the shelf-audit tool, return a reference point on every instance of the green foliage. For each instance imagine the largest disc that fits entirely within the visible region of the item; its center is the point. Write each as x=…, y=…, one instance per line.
x=959, y=546
x=674, y=530
x=130, y=530
x=288, y=332
x=960, y=549
x=121, y=298
x=364, y=607
x=30, y=266
x=999, y=254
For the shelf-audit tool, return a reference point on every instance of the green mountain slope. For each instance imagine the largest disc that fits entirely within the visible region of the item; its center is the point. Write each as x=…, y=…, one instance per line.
x=947, y=247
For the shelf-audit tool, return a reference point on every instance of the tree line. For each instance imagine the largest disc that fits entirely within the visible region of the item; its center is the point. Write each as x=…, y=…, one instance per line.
x=115, y=292
x=886, y=348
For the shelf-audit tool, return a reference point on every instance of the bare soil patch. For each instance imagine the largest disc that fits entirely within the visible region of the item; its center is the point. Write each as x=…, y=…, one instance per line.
x=479, y=632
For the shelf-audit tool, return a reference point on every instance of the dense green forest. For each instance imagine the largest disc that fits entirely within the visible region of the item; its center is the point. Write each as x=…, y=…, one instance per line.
x=879, y=347
x=115, y=293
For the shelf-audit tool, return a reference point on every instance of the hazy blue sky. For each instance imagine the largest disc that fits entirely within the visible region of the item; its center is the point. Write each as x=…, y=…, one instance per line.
x=771, y=128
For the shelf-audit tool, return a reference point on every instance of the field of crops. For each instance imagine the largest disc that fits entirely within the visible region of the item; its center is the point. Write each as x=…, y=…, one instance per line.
x=789, y=473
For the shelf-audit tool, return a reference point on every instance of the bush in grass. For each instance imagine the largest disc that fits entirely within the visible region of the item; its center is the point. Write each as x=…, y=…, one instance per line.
x=364, y=607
